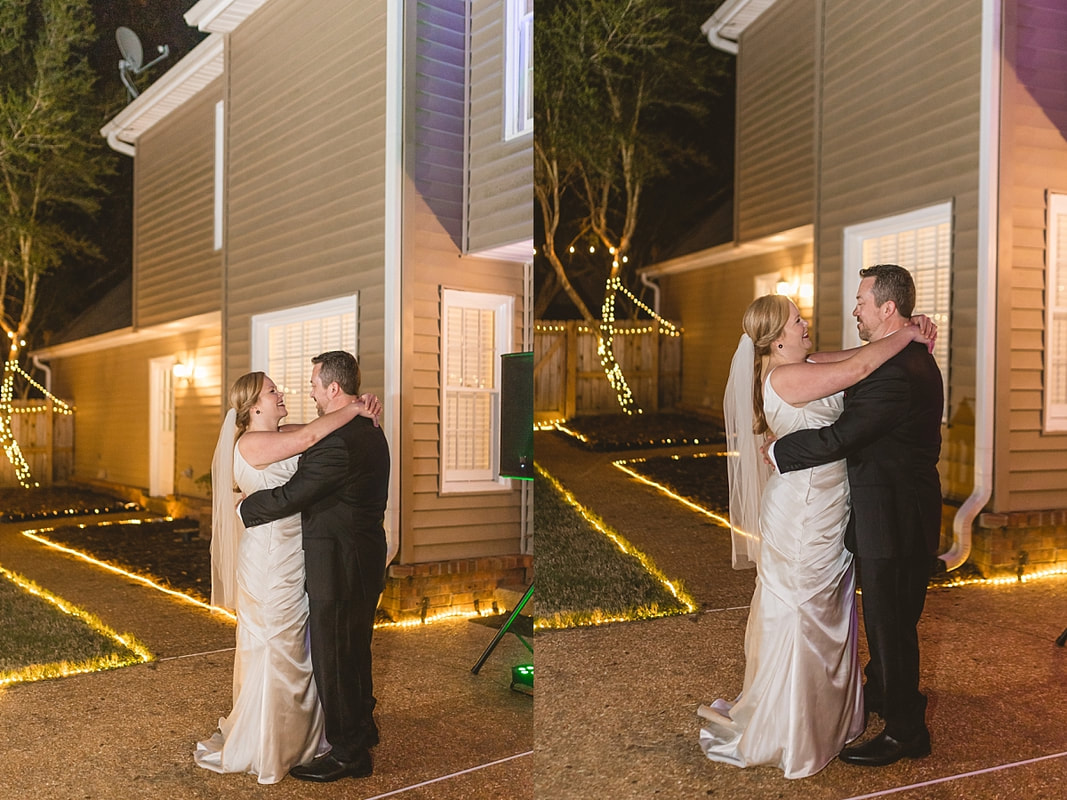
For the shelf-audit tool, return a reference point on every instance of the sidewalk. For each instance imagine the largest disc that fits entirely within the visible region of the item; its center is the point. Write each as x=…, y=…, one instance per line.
x=616, y=705
x=130, y=732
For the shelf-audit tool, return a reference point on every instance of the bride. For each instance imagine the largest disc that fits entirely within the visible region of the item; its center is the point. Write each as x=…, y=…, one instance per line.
x=276, y=721
x=801, y=699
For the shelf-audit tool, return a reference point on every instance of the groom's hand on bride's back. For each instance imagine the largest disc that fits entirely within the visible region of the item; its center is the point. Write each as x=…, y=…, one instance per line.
x=768, y=440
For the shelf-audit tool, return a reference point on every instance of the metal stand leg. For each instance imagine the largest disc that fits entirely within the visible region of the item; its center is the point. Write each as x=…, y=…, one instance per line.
x=504, y=629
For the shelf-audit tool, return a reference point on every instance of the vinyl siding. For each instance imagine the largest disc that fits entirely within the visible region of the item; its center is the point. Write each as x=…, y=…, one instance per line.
x=1030, y=470
x=899, y=131
x=306, y=181
x=435, y=526
x=774, y=166
x=500, y=199
x=709, y=339
x=177, y=270
x=111, y=436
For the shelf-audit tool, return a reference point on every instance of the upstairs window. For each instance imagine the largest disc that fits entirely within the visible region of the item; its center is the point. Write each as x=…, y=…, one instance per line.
x=518, y=93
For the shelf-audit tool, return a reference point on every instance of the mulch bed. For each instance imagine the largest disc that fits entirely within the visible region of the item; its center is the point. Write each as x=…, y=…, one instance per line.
x=610, y=432
x=701, y=478
x=170, y=553
x=19, y=505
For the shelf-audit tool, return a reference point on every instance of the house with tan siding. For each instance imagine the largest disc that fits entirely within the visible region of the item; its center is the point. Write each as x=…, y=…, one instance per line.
x=933, y=135
x=317, y=175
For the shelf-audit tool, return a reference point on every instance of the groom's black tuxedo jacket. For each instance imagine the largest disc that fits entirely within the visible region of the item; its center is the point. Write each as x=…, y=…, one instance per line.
x=340, y=489
x=890, y=434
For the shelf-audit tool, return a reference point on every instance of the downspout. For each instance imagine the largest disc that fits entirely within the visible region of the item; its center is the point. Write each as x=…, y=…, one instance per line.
x=988, y=202
x=393, y=353
x=647, y=281
x=47, y=370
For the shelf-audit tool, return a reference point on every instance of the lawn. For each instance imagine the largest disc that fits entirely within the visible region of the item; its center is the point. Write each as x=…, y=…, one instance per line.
x=583, y=576
x=43, y=636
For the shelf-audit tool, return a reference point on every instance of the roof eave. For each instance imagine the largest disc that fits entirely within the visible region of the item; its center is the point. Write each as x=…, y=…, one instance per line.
x=185, y=79
x=724, y=28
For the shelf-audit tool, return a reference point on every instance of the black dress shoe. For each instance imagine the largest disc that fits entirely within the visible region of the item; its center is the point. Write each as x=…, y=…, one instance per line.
x=883, y=749
x=327, y=768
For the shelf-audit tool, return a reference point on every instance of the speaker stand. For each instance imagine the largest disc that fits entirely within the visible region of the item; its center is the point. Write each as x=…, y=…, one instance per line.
x=504, y=629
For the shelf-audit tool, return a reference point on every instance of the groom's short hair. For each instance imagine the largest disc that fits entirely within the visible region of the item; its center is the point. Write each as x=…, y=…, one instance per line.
x=892, y=282
x=341, y=368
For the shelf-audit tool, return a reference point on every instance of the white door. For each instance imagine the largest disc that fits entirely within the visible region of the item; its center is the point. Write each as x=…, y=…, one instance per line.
x=161, y=427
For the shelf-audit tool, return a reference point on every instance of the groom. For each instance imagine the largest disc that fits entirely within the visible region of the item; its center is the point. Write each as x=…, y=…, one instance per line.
x=890, y=433
x=340, y=489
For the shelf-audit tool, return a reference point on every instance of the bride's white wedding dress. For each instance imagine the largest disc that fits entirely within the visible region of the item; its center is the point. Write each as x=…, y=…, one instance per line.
x=276, y=721
x=802, y=695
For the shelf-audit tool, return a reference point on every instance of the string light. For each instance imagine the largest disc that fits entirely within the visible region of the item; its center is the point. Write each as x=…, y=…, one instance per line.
x=549, y=424
x=7, y=409
x=596, y=617
x=138, y=653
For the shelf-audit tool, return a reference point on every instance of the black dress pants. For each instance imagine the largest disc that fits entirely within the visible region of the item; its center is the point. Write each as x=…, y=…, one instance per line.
x=344, y=581
x=894, y=593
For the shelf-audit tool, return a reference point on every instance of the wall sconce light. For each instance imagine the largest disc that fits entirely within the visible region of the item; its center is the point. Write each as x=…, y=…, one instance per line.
x=786, y=287
x=185, y=372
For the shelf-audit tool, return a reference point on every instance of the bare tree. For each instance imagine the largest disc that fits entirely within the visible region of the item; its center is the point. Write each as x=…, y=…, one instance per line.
x=612, y=77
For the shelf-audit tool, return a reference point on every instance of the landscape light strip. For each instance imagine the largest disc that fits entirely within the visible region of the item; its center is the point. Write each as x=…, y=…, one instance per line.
x=885, y=792
x=452, y=775
x=674, y=495
x=119, y=571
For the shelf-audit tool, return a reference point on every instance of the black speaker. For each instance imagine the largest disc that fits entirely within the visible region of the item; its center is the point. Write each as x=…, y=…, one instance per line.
x=516, y=416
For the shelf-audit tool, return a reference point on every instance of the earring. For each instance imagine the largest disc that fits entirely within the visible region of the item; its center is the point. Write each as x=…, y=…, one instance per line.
x=779, y=347
x=258, y=411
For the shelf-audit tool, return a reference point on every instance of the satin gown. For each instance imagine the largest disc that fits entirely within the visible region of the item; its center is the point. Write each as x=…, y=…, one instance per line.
x=802, y=697
x=276, y=721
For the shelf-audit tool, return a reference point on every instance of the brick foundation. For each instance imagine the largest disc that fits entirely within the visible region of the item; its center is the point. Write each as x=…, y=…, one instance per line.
x=1020, y=542
x=430, y=588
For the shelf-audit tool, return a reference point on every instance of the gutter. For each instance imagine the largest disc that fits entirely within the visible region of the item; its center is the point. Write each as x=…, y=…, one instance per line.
x=714, y=24
x=119, y=146
x=985, y=370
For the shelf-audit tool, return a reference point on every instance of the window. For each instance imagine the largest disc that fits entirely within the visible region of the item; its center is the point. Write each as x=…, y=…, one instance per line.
x=518, y=92
x=920, y=241
x=475, y=331
x=1056, y=316
x=284, y=342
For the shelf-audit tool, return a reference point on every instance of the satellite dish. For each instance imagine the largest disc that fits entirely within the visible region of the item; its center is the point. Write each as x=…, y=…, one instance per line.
x=133, y=56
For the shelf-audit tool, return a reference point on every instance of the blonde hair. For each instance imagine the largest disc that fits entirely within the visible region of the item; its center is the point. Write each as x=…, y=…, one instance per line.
x=243, y=395
x=764, y=321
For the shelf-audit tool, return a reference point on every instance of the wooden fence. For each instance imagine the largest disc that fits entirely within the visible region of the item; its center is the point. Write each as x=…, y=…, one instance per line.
x=46, y=439
x=569, y=378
